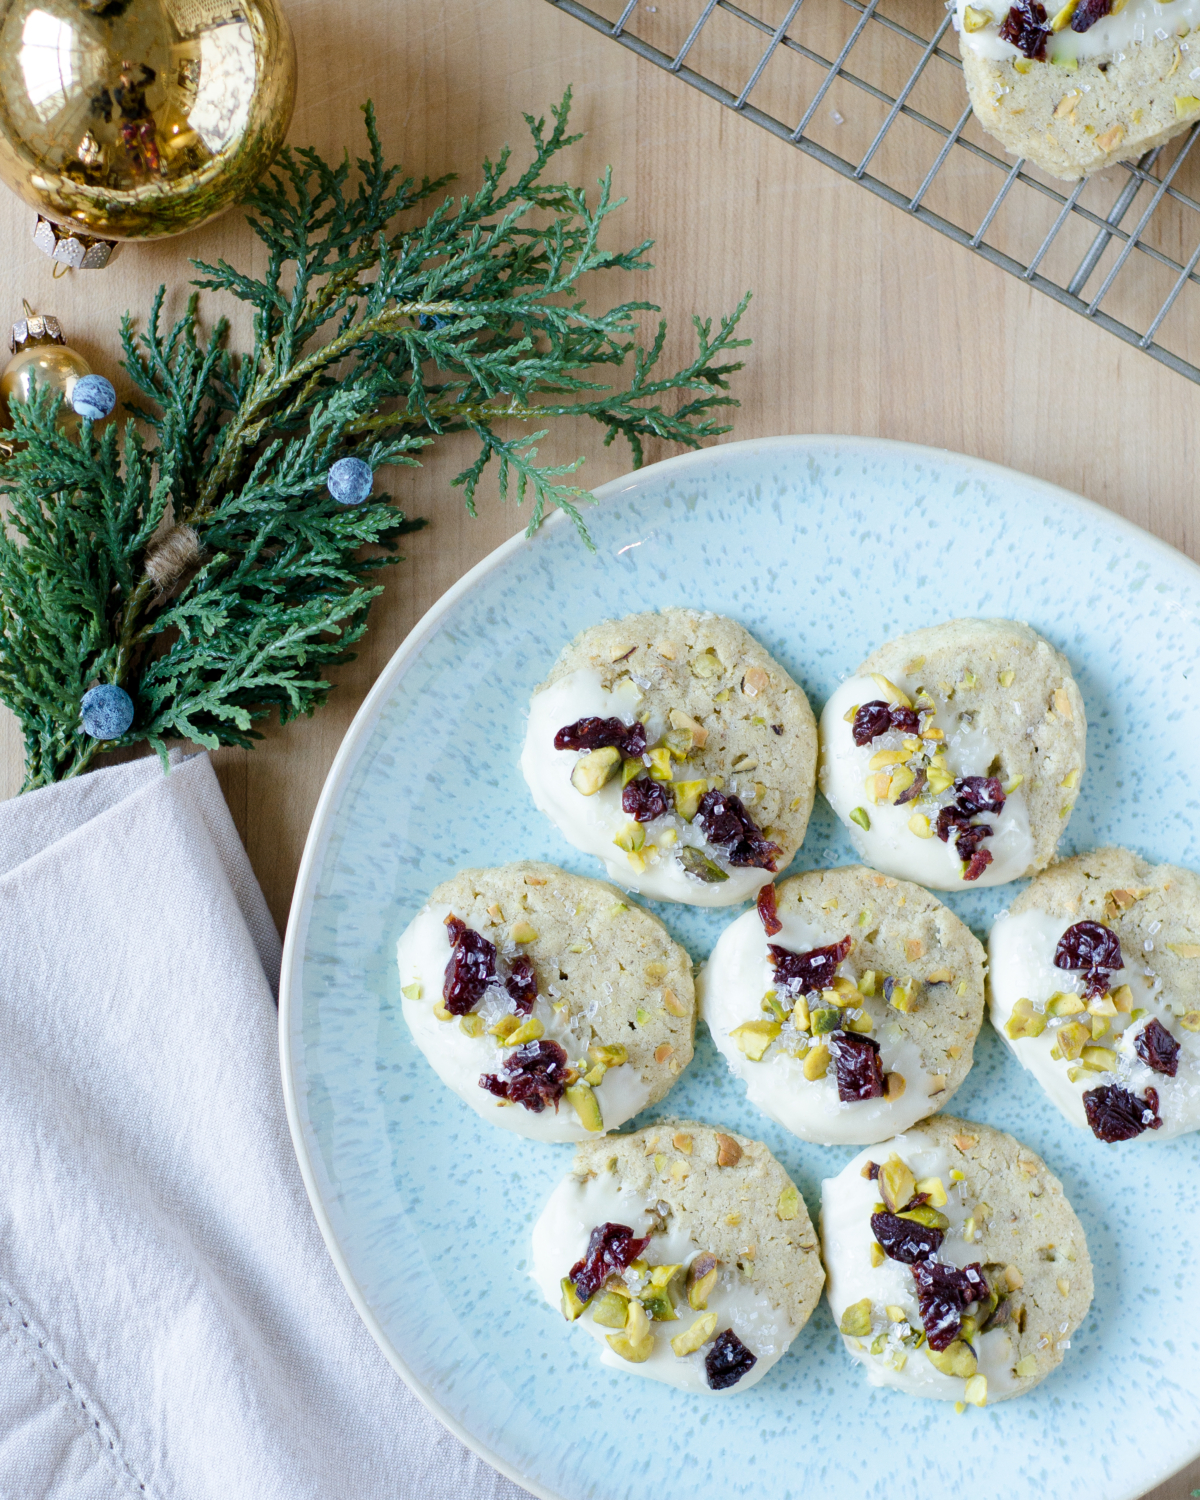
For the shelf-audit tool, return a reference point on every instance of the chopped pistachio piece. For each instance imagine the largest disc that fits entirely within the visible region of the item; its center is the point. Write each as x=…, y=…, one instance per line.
x=754, y=1037
x=1122, y=999
x=471, y=1024
x=878, y=1254
x=527, y=1031
x=630, y=770
x=958, y=1359
x=1072, y=1038
x=921, y=826
x=925, y=1214
x=687, y=797
x=610, y=1311
x=862, y=1023
x=631, y=838
x=1024, y=1021
x=1102, y=1059
x=659, y=1306
x=861, y=817
x=660, y=764
x=896, y=1183
x=976, y=20
x=701, y=1278
x=1026, y=1368
x=856, y=1320
x=788, y=1205
x=571, y=1305
x=816, y=1062
x=697, y=863
x=976, y=1391
x=696, y=1336
x=1064, y=1005
x=894, y=695
x=673, y=1004
x=1190, y=1020
x=636, y=1344
x=440, y=1011
x=867, y=982
x=595, y=769
x=904, y=997
x=585, y=1104
x=936, y=1190
x=505, y=1027
x=411, y=991
x=825, y=1020
x=611, y=1054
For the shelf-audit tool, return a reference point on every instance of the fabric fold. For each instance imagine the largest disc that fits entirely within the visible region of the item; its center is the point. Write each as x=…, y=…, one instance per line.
x=170, y=1322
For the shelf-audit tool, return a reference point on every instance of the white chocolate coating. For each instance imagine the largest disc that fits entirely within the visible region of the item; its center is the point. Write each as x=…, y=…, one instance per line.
x=889, y=845
x=847, y=1202
x=560, y=1238
x=458, y=1059
x=1021, y=955
x=592, y=823
x=731, y=987
x=1111, y=36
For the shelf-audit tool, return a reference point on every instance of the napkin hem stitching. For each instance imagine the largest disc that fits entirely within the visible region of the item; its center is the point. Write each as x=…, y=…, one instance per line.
x=67, y=1388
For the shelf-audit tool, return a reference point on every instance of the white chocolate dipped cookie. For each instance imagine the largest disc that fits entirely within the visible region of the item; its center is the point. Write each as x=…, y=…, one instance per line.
x=957, y=1270
x=1078, y=87
x=954, y=754
x=1095, y=987
x=546, y=1001
x=675, y=749
x=685, y=1251
x=848, y=1003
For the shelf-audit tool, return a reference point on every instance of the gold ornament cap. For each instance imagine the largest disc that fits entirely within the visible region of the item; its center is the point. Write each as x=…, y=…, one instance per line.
x=34, y=329
x=71, y=247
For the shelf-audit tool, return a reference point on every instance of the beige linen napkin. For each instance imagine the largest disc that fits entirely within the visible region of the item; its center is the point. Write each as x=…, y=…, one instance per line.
x=170, y=1323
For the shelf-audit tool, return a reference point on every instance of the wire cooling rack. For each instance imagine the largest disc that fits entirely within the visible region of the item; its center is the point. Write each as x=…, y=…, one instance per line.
x=875, y=91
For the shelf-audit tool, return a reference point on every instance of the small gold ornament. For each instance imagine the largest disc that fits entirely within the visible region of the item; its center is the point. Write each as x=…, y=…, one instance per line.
x=135, y=119
x=41, y=353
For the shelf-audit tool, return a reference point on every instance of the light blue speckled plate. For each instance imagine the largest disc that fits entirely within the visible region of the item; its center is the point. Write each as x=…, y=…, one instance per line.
x=823, y=548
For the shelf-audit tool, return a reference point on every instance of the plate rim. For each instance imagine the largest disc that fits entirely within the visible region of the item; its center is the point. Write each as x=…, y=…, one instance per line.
x=358, y=731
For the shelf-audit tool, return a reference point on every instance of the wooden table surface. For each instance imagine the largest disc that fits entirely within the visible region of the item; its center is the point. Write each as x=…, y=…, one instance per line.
x=863, y=321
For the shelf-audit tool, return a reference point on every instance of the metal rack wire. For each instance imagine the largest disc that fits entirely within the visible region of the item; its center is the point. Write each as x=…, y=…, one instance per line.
x=874, y=89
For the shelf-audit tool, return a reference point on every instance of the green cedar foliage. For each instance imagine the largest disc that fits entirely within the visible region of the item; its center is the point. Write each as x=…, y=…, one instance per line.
x=369, y=340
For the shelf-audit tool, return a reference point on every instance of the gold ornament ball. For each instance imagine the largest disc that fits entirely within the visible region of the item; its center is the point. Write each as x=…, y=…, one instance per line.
x=135, y=119
x=41, y=354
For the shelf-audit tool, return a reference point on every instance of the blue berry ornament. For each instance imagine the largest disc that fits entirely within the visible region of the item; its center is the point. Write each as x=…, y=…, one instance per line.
x=93, y=398
x=106, y=711
x=349, y=481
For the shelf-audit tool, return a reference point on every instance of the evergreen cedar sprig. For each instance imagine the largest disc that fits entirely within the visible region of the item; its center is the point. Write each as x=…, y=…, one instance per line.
x=368, y=342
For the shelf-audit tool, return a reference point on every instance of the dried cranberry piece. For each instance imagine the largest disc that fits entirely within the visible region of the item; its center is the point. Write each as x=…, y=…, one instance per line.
x=970, y=838
x=950, y=820
x=727, y=1361
x=798, y=973
x=977, y=864
x=611, y=1248
x=471, y=968
x=871, y=720
x=979, y=794
x=768, y=912
x=1157, y=1048
x=1025, y=27
x=1115, y=1114
x=537, y=1076
x=521, y=985
x=1094, y=950
x=904, y=1239
x=727, y=824
x=1088, y=12
x=905, y=720
x=644, y=800
x=858, y=1066
x=872, y=1171
x=597, y=734
x=943, y=1294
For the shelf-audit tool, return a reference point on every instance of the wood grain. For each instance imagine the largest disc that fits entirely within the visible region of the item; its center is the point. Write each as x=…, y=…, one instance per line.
x=863, y=320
